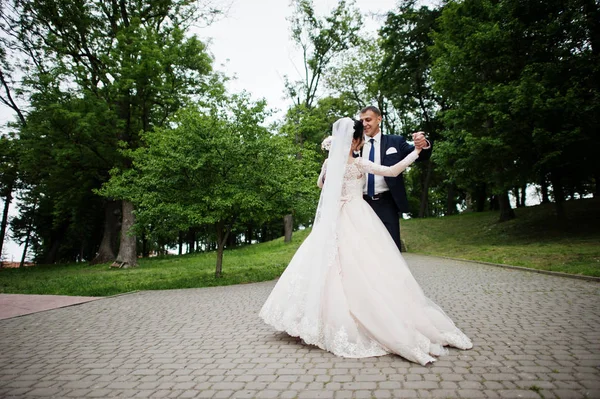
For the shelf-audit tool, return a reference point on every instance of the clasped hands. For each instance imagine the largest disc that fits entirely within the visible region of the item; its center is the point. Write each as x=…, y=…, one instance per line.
x=420, y=140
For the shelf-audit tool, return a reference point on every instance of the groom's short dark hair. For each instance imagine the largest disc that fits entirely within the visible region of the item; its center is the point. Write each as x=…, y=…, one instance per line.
x=373, y=108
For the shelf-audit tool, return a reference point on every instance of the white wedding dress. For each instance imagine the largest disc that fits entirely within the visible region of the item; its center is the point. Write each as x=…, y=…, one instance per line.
x=362, y=301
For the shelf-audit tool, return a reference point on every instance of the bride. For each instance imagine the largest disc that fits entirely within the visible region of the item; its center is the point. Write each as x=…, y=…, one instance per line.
x=348, y=289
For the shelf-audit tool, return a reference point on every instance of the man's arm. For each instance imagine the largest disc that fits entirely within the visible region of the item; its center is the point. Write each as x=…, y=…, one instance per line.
x=404, y=148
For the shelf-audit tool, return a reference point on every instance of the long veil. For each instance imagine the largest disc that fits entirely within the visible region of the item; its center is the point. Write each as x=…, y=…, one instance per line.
x=329, y=201
x=296, y=302
x=324, y=245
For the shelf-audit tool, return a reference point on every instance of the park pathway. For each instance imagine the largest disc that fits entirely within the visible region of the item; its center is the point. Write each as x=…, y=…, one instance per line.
x=535, y=336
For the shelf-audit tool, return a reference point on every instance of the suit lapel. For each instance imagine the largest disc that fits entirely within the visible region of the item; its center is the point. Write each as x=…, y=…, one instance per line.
x=382, y=147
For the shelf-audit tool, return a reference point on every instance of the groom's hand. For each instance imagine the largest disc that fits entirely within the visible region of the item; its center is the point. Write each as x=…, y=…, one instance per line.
x=420, y=141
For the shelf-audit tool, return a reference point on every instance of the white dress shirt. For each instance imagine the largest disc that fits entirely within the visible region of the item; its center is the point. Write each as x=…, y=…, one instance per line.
x=380, y=184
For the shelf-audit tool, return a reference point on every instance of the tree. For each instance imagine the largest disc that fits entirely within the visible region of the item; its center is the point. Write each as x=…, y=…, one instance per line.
x=8, y=178
x=67, y=148
x=520, y=86
x=477, y=61
x=219, y=167
x=320, y=40
x=133, y=56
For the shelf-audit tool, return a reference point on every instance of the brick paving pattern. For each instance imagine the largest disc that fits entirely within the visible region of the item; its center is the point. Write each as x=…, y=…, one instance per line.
x=535, y=336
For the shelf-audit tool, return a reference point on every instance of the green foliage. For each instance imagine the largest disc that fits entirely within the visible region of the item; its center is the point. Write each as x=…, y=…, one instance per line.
x=309, y=126
x=517, y=80
x=405, y=66
x=66, y=149
x=217, y=167
x=96, y=74
x=321, y=39
x=474, y=68
x=8, y=165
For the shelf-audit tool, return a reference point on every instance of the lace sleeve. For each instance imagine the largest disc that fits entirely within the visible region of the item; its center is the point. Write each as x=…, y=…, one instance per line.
x=321, y=180
x=392, y=171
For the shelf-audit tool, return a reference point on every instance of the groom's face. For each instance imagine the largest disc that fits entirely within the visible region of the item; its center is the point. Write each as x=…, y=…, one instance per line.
x=370, y=122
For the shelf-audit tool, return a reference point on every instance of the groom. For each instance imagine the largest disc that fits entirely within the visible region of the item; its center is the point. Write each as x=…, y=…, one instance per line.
x=387, y=195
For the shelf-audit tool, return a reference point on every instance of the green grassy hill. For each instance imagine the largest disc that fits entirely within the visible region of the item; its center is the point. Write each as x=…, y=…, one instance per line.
x=533, y=239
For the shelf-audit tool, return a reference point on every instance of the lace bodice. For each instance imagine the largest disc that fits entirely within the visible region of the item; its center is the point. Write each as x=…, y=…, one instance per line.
x=356, y=172
x=354, y=180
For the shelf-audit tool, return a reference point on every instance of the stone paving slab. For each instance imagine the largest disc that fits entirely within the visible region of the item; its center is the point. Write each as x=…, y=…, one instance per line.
x=535, y=336
x=12, y=305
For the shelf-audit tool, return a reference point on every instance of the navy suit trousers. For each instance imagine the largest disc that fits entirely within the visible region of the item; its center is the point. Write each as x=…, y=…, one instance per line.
x=386, y=209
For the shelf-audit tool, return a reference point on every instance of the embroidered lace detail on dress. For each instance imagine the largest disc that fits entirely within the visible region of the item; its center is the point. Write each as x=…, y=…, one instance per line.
x=354, y=180
x=457, y=339
x=339, y=344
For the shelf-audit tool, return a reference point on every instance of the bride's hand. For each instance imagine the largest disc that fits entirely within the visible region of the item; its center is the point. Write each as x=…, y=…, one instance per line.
x=419, y=140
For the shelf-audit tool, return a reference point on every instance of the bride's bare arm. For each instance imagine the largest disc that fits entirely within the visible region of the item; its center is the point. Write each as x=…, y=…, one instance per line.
x=321, y=180
x=395, y=170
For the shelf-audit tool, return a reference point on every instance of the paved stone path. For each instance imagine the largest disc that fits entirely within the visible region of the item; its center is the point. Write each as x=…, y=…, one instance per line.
x=535, y=336
x=12, y=305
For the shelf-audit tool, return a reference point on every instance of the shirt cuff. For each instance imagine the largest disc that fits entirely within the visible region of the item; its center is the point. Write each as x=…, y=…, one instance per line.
x=428, y=145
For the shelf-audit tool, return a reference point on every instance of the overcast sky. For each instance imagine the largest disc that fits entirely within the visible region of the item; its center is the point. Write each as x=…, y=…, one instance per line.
x=252, y=42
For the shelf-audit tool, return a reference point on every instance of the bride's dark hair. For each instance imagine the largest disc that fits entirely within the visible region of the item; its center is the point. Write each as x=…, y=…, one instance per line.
x=358, y=129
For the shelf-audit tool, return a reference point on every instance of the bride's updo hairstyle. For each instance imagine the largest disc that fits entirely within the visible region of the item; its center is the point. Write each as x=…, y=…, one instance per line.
x=358, y=134
x=358, y=129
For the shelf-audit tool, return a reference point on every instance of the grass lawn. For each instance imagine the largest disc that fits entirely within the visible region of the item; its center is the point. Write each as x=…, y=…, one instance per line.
x=533, y=239
x=247, y=264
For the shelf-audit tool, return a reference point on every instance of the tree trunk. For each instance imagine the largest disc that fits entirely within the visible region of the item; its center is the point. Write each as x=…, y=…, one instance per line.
x=523, y=195
x=191, y=241
x=7, y=202
x=559, y=196
x=145, y=249
x=219, y=269
x=480, y=198
x=81, y=251
x=56, y=239
x=263, y=233
x=28, y=236
x=517, y=197
x=425, y=181
x=450, y=202
x=544, y=189
x=248, y=234
x=222, y=234
x=231, y=241
x=25, y=247
x=127, y=256
x=180, y=242
x=494, y=203
x=506, y=212
x=288, y=227
x=597, y=184
x=106, y=252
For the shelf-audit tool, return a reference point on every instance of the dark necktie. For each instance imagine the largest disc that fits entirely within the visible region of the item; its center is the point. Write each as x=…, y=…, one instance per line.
x=370, y=176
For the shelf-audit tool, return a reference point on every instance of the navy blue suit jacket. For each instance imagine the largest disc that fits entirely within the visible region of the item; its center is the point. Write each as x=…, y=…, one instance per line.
x=396, y=184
